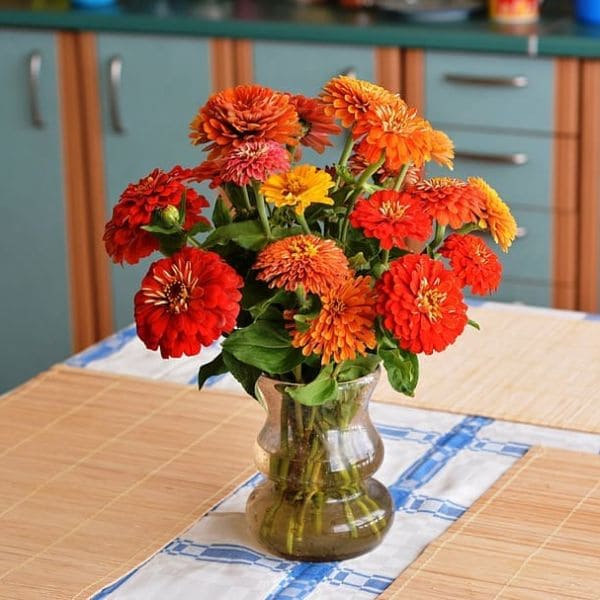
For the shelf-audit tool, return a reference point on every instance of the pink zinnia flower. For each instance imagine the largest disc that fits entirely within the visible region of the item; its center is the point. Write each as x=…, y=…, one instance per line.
x=254, y=160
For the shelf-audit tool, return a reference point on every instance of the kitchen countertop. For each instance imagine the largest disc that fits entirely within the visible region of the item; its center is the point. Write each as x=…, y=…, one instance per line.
x=556, y=34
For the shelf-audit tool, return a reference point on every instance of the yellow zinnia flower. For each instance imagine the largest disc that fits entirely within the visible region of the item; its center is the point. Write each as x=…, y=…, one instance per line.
x=302, y=186
x=496, y=215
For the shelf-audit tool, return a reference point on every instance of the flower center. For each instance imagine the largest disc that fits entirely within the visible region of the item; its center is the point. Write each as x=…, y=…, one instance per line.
x=430, y=300
x=175, y=288
x=395, y=210
x=177, y=295
x=336, y=306
x=300, y=249
x=436, y=183
x=293, y=187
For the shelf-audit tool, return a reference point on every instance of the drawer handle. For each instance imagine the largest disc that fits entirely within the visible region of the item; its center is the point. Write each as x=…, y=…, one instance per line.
x=518, y=158
x=35, y=69
x=521, y=233
x=115, y=71
x=518, y=81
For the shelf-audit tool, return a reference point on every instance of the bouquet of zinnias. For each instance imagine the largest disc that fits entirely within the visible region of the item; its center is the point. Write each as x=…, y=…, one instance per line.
x=310, y=272
x=310, y=276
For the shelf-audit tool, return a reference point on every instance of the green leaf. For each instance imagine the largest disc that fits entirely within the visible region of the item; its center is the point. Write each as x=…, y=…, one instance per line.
x=245, y=374
x=279, y=232
x=265, y=345
x=200, y=227
x=221, y=214
x=159, y=229
x=474, y=324
x=320, y=391
x=169, y=244
x=359, y=367
x=182, y=207
x=259, y=309
x=402, y=369
x=214, y=367
x=247, y=234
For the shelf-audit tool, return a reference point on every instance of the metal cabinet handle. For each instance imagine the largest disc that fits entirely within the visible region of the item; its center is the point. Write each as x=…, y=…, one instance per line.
x=517, y=159
x=35, y=68
x=115, y=70
x=350, y=72
x=517, y=81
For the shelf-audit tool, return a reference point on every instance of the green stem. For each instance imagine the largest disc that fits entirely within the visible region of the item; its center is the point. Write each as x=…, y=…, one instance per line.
x=366, y=175
x=346, y=151
x=385, y=257
x=194, y=242
x=440, y=231
x=401, y=176
x=246, y=198
x=262, y=212
x=302, y=221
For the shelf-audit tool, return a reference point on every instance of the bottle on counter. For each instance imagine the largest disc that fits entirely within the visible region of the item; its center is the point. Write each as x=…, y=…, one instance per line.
x=514, y=11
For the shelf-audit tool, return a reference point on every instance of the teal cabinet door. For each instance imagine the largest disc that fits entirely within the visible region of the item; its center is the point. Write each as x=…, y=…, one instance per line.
x=34, y=304
x=156, y=86
x=305, y=68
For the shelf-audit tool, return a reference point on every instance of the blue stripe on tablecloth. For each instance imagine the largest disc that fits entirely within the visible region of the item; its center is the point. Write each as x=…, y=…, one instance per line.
x=436, y=458
x=103, y=349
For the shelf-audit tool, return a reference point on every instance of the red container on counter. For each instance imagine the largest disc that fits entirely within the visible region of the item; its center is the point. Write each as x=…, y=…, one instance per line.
x=514, y=11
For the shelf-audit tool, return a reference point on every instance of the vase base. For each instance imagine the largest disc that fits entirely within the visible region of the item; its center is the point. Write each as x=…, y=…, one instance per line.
x=320, y=525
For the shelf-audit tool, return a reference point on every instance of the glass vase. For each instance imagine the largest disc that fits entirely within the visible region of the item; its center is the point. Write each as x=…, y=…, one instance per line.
x=319, y=501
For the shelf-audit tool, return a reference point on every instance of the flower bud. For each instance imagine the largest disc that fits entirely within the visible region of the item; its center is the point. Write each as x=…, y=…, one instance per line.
x=170, y=216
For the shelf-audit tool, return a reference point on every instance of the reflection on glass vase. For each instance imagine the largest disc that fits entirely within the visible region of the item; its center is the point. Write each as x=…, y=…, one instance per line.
x=319, y=502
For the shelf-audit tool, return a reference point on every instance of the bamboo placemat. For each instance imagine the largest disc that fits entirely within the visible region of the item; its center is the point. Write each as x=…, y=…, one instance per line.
x=533, y=536
x=526, y=367
x=99, y=472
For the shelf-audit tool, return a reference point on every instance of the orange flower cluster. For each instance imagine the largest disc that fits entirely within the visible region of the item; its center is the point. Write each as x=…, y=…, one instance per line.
x=385, y=125
x=344, y=327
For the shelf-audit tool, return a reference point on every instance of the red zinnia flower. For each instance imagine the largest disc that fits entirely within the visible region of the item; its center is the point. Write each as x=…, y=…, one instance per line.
x=421, y=303
x=473, y=263
x=317, y=125
x=391, y=217
x=124, y=238
x=449, y=201
x=187, y=301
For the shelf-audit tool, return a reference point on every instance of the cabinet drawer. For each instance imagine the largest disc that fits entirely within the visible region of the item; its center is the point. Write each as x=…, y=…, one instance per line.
x=530, y=256
x=527, y=185
x=487, y=90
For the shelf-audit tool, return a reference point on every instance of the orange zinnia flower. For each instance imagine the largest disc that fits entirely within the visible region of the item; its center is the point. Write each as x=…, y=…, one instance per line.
x=496, y=215
x=344, y=328
x=302, y=186
x=391, y=217
x=421, y=303
x=473, y=263
x=449, y=201
x=395, y=128
x=316, y=123
x=187, y=301
x=442, y=149
x=306, y=260
x=348, y=99
x=245, y=113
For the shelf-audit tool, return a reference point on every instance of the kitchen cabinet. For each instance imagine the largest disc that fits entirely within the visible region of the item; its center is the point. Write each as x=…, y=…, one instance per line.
x=145, y=90
x=44, y=288
x=514, y=122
